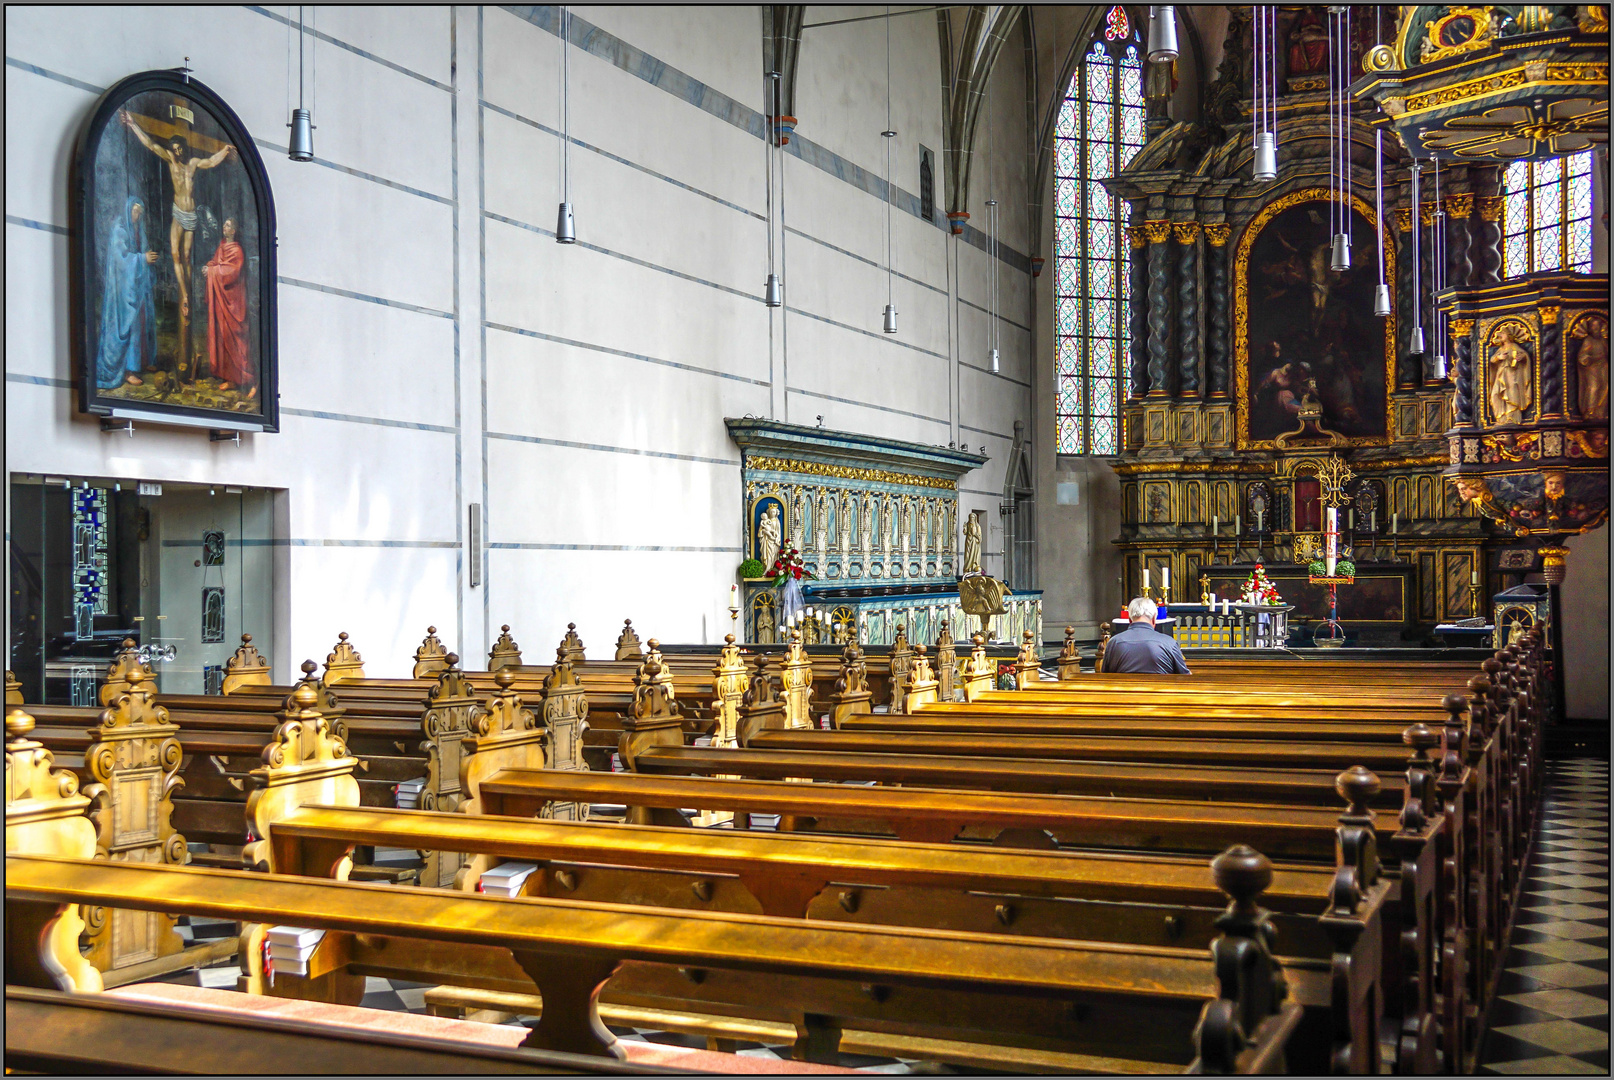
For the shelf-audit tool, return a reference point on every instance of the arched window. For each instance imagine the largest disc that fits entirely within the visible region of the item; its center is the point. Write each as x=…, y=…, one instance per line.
x=1547, y=219
x=1100, y=129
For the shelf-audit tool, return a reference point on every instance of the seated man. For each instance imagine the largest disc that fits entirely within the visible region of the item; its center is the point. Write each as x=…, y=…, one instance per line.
x=1141, y=650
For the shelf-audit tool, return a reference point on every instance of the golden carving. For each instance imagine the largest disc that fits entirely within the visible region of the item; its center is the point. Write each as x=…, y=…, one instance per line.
x=1157, y=232
x=1070, y=660
x=1460, y=206
x=1428, y=211
x=1462, y=327
x=849, y=472
x=1134, y=236
x=431, y=657
x=1549, y=315
x=506, y=736
x=1488, y=84
x=1334, y=474
x=1490, y=207
x=344, y=662
x=1379, y=58
x=304, y=763
x=13, y=688
x=117, y=676
x=979, y=671
x=1592, y=18
x=505, y=651
x=1218, y=233
x=627, y=643
x=1186, y=232
x=1241, y=312
x=45, y=815
x=565, y=718
x=1432, y=50
x=574, y=645
x=1403, y=219
x=919, y=689
x=1027, y=663
x=246, y=667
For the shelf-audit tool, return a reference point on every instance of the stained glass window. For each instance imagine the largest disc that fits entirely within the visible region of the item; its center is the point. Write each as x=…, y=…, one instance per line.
x=1547, y=218
x=1099, y=130
x=89, y=560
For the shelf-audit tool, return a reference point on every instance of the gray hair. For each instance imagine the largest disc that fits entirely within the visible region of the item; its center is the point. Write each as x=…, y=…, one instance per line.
x=1142, y=608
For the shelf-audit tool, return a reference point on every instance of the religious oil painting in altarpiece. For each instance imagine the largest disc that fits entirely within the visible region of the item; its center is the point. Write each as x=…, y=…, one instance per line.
x=1305, y=331
x=173, y=246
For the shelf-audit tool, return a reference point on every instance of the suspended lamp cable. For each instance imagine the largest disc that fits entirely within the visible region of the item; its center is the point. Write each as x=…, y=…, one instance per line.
x=565, y=225
x=1437, y=277
x=301, y=145
x=1381, y=292
x=1264, y=114
x=772, y=288
x=1415, y=344
x=992, y=254
x=888, y=135
x=1339, y=134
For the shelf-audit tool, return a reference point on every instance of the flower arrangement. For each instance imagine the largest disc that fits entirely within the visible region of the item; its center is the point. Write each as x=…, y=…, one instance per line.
x=1343, y=568
x=752, y=568
x=1258, y=589
x=789, y=567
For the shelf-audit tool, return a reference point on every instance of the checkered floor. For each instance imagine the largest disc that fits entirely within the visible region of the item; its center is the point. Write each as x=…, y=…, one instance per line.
x=1552, y=1009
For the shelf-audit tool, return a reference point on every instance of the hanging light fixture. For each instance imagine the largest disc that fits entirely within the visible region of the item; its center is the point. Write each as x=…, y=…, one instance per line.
x=1437, y=278
x=1416, y=344
x=1265, y=113
x=890, y=325
x=1339, y=134
x=301, y=146
x=773, y=291
x=992, y=293
x=1162, y=33
x=565, y=226
x=1381, y=292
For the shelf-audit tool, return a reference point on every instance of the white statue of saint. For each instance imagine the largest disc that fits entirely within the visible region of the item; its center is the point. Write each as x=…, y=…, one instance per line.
x=972, y=545
x=847, y=521
x=868, y=523
x=770, y=535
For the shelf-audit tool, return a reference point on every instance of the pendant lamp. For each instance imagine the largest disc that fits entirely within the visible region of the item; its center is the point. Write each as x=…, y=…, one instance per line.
x=1265, y=113
x=773, y=290
x=1381, y=291
x=1162, y=33
x=1416, y=344
x=301, y=145
x=1339, y=134
x=890, y=322
x=565, y=226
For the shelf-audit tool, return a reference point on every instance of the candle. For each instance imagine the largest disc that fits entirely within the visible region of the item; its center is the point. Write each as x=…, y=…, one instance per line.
x=734, y=596
x=1332, y=538
x=1473, y=577
x=1238, y=524
x=1213, y=601
x=1395, y=522
x=1216, y=524
x=1373, y=520
x=1165, y=577
x=1351, y=520
x=1145, y=579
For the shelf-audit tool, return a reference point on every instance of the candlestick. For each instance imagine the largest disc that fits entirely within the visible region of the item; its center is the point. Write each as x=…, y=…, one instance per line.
x=1473, y=577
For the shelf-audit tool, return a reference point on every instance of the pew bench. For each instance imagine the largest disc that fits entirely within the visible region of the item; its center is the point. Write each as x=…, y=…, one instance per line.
x=1035, y=993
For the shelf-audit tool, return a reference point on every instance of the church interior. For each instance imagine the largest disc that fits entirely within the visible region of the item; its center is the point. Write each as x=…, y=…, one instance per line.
x=1078, y=543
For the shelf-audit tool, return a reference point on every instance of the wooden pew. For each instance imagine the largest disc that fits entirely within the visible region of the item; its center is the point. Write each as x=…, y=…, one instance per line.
x=980, y=890
x=1014, y=990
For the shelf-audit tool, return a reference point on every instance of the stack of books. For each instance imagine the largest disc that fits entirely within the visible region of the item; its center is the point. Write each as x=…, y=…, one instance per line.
x=409, y=794
x=290, y=948
x=505, y=879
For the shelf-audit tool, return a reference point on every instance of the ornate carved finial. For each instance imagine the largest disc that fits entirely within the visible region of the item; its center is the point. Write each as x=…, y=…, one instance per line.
x=246, y=667
x=1420, y=801
x=1243, y=874
x=1250, y=982
x=117, y=676
x=627, y=642
x=573, y=644
x=1357, y=786
x=18, y=725
x=504, y=678
x=1357, y=840
x=429, y=657
x=344, y=662
x=505, y=651
x=13, y=688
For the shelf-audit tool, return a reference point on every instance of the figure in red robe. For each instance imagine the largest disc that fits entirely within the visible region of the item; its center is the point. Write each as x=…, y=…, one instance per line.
x=227, y=315
x=1308, y=45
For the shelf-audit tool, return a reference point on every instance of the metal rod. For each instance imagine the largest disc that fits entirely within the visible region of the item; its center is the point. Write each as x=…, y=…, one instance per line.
x=886, y=15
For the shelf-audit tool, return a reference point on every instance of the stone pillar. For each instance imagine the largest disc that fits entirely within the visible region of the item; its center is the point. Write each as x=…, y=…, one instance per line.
x=1217, y=346
x=1187, y=234
x=1552, y=362
x=1462, y=344
x=1407, y=375
x=1459, y=263
x=1137, y=313
x=1157, y=233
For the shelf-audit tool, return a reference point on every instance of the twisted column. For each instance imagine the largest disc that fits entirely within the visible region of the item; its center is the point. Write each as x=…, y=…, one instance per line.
x=1216, y=340
x=1157, y=233
x=1137, y=313
x=1462, y=343
x=1485, y=240
x=1552, y=362
x=1406, y=368
x=1459, y=264
x=1187, y=234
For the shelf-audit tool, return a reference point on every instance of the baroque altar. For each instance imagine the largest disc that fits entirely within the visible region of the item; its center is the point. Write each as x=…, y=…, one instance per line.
x=876, y=522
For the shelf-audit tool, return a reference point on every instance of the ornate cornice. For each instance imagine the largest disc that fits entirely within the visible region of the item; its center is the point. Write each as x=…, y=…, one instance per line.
x=1218, y=233
x=1490, y=207
x=1462, y=327
x=1460, y=205
x=846, y=472
x=1157, y=232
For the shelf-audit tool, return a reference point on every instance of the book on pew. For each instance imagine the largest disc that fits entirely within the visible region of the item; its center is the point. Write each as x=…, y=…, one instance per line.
x=505, y=879
x=289, y=948
x=408, y=794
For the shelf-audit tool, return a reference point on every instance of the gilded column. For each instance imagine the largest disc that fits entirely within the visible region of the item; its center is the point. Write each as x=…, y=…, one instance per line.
x=1486, y=240
x=1216, y=339
x=1157, y=233
x=1187, y=234
x=1552, y=363
x=1462, y=344
x=1406, y=368
x=1459, y=264
x=1137, y=313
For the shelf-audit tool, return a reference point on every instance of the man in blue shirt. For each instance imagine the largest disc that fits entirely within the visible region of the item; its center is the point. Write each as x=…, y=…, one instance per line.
x=1142, y=650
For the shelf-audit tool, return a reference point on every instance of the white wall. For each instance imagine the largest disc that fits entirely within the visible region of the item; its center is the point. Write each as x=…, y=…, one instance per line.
x=439, y=349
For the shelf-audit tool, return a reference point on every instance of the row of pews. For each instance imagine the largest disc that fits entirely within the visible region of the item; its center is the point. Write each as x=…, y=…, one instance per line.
x=1014, y=880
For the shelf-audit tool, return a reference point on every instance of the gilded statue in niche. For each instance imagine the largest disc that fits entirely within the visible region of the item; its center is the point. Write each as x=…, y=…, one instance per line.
x=1510, y=376
x=1591, y=359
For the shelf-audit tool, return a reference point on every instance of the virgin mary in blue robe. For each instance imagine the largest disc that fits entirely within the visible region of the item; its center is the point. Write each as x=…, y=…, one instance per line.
x=128, y=342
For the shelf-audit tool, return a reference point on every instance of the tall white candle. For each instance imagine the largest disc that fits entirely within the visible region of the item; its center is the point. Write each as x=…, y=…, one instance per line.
x=1165, y=577
x=1332, y=537
x=1373, y=520
x=1145, y=579
x=1238, y=524
x=1395, y=522
x=1216, y=524
x=734, y=596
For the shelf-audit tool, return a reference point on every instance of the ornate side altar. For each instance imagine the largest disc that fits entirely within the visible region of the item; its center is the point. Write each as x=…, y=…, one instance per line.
x=876, y=523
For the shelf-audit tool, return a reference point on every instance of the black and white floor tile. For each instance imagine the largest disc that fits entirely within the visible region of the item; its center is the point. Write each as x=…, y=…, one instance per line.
x=1551, y=1016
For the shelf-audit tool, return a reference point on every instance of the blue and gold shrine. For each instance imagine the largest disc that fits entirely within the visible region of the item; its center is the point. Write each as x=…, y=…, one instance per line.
x=876, y=523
